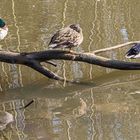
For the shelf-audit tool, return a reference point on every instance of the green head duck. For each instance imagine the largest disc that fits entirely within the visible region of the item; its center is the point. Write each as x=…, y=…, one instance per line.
x=2, y=23
x=3, y=29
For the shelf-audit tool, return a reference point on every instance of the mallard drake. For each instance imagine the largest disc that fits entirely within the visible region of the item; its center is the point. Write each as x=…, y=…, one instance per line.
x=134, y=52
x=68, y=37
x=3, y=29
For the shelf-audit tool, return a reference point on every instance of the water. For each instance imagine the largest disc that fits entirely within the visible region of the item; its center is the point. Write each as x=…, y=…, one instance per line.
x=104, y=105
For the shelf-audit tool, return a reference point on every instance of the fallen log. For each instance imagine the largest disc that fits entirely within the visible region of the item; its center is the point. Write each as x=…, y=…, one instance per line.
x=34, y=59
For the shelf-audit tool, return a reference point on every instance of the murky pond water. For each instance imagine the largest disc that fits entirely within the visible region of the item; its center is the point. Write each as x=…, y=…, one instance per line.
x=104, y=105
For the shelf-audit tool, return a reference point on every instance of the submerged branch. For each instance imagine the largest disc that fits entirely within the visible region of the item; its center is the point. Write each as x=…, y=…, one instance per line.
x=34, y=59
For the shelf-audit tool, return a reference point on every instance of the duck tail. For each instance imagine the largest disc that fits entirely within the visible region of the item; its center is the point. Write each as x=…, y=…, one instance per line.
x=52, y=46
x=134, y=52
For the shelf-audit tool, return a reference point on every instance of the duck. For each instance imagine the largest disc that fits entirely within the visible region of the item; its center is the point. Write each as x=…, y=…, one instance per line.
x=133, y=52
x=5, y=119
x=3, y=29
x=67, y=37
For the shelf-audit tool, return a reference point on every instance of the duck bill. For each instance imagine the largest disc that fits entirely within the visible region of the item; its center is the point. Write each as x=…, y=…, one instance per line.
x=130, y=56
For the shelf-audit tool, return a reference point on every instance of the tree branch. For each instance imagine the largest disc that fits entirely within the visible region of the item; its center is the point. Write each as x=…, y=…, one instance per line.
x=116, y=47
x=34, y=59
x=38, y=67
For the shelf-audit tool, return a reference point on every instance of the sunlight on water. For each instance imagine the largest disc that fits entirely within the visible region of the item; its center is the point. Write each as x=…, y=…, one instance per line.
x=104, y=105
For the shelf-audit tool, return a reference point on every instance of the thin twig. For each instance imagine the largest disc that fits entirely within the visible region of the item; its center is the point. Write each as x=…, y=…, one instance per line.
x=115, y=47
x=52, y=63
x=46, y=72
x=27, y=104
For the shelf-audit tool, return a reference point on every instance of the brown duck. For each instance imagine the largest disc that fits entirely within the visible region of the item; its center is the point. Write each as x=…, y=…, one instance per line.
x=68, y=37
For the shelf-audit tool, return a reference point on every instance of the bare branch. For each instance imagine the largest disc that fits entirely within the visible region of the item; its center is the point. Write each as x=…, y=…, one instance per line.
x=116, y=47
x=52, y=63
x=43, y=70
x=34, y=59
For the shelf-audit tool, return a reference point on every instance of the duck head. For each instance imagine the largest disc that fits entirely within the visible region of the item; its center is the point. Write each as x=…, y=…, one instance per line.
x=2, y=23
x=76, y=27
x=134, y=52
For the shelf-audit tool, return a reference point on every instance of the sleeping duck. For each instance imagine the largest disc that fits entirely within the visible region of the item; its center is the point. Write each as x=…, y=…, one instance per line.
x=134, y=52
x=3, y=29
x=68, y=37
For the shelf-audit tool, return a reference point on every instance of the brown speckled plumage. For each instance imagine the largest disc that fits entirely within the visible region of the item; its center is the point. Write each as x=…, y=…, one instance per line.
x=68, y=37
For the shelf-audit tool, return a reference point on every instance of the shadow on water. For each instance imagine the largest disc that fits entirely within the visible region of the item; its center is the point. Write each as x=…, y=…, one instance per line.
x=100, y=109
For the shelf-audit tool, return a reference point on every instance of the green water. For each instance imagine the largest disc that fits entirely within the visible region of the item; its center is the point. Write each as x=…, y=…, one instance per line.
x=104, y=105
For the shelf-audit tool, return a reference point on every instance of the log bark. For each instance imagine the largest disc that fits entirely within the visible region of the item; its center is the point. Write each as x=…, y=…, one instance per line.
x=34, y=59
